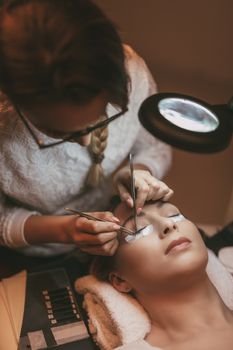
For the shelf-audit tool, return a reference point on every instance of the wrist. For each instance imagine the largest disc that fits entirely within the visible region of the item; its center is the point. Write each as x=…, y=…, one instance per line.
x=139, y=166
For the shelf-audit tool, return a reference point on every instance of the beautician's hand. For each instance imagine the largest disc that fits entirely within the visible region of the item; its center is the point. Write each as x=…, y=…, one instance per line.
x=93, y=237
x=147, y=187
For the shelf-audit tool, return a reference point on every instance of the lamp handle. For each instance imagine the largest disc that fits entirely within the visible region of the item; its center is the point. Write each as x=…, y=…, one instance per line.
x=230, y=104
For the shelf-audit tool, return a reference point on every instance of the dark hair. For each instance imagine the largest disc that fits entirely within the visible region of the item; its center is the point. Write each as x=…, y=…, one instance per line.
x=61, y=49
x=102, y=266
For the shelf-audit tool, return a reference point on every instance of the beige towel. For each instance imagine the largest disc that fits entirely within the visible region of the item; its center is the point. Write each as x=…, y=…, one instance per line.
x=114, y=318
x=117, y=319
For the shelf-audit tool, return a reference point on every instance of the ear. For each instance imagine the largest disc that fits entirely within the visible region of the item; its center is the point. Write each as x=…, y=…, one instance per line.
x=119, y=283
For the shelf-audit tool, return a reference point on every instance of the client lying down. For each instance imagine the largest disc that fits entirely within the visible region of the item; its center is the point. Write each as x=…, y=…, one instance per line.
x=165, y=271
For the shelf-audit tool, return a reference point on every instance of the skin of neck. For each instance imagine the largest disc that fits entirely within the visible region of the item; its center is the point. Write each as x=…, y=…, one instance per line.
x=184, y=312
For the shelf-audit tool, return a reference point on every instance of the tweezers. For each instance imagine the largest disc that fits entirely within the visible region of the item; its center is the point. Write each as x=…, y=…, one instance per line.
x=91, y=217
x=133, y=192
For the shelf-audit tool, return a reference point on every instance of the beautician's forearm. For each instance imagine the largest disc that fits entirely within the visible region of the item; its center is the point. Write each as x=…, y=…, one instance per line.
x=45, y=229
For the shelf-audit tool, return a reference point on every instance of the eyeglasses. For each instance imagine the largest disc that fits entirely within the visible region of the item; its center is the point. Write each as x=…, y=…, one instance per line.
x=72, y=137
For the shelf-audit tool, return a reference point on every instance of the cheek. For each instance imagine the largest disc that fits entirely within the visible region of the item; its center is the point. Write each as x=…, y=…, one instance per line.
x=189, y=230
x=141, y=260
x=195, y=258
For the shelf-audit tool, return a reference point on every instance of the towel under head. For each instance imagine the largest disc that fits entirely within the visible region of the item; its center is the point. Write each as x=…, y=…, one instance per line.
x=116, y=318
x=110, y=313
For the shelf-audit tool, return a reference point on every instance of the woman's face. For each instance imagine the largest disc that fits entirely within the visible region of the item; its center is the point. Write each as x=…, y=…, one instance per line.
x=165, y=259
x=60, y=119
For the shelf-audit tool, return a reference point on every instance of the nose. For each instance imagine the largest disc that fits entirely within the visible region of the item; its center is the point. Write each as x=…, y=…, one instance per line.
x=167, y=226
x=84, y=140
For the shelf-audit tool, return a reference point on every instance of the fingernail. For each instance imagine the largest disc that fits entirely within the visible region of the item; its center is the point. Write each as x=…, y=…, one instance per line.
x=116, y=227
x=129, y=201
x=139, y=210
x=115, y=219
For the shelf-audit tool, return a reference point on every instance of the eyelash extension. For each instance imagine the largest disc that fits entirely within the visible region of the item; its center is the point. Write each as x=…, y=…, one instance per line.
x=147, y=230
x=177, y=217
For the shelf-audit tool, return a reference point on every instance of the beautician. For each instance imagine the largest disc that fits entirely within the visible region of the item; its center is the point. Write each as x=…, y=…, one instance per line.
x=64, y=74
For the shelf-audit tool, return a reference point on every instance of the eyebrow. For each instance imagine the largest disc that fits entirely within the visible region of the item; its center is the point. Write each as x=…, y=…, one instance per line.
x=131, y=217
x=158, y=203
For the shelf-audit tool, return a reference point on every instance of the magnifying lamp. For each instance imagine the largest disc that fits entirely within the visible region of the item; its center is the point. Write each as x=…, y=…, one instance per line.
x=188, y=123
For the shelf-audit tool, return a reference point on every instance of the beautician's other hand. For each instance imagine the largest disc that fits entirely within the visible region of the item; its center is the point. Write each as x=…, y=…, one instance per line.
x=93, y=237
x=147, y=187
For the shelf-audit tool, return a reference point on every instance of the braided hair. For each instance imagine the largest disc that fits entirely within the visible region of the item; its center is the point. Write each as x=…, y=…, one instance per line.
x=97, y=147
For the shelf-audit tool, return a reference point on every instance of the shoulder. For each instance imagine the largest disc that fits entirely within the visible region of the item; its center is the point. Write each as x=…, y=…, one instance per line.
x=135, y=64
x=133, y=59
x=139, y=74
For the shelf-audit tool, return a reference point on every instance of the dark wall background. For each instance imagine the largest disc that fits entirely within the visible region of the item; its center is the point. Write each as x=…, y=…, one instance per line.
x=188, y=45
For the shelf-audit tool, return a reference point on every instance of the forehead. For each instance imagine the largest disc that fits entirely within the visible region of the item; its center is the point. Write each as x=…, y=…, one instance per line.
x=66, y=116
x=123, y=212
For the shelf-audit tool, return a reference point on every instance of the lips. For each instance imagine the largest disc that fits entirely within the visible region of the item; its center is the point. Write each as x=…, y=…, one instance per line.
x=175, y=243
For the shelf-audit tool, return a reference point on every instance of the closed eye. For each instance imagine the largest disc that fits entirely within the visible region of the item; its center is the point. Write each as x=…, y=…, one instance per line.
x=177, y=217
